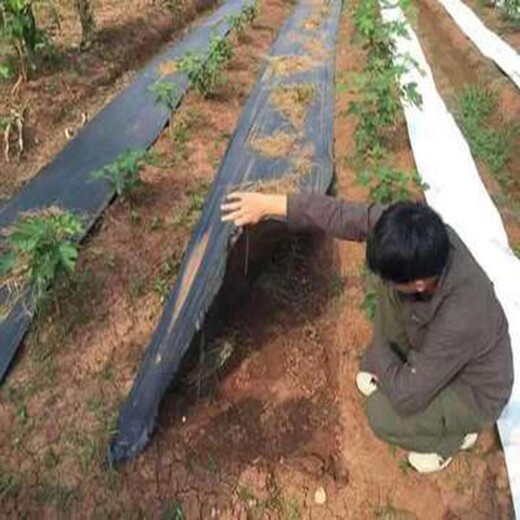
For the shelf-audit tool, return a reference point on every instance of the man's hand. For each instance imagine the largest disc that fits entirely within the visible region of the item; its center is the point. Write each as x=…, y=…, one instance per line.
x=250, y=208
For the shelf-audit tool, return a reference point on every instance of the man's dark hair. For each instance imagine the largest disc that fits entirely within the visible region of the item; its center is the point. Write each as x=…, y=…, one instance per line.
x=408, y=242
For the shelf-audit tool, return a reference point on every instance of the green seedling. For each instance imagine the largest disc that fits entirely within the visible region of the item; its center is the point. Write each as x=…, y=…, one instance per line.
x=380, y=92
x=165, y=94
x=85, y=11
x=511, y=10
x=205, y=73
x=18, y=28
x=494, y=145
x=37, y=248
x=238, y=25
x=240, y=22
x=123, y=175
x=173, y=511
x=370, y=298
x=9, y=485
x=386, y=185
x=251, y=11
x=5, y=71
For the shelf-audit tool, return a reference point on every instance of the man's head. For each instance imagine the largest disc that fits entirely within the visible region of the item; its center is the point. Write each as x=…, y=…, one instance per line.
x=409, y=247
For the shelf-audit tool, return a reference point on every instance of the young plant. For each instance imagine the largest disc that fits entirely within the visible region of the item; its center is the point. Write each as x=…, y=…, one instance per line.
x=251, y=11
x=386, y=185
x=370, y=296
x=205, y=73
x=18, y=29
x=123, y=175
x=238, y=25
x=494, y=146
x=379, y=89
x=165, y=94
x=35, y=250
x=511, y=10
x=88, y=24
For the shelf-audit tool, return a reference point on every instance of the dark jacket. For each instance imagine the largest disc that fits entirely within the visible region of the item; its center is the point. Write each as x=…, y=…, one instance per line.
x=458, y=337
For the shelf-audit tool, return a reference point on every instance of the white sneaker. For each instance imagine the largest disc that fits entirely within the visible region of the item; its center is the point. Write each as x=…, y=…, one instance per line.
x=427, y=462
x=366, y=383
x=469, y=441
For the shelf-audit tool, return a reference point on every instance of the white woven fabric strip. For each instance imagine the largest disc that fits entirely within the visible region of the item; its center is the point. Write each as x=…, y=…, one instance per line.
x=489, y=44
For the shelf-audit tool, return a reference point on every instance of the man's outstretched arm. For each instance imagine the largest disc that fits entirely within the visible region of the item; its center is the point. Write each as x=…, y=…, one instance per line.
x=305, y=212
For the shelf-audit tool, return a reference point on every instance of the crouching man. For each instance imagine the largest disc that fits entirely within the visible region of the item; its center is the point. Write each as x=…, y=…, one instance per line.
x=439, y=367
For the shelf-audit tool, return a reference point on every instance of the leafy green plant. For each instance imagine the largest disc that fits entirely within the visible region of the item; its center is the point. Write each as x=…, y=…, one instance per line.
x=123, y=174
x=5, y=71
x=385, y=184
x=18, y=28
x=35, y=250
x=380, y=92
x=9, y=485
x=173, y=511
x=370, y=297
x=251, y=11
x=165, y=94
x=205, y=73
x=238, y=25
x=511, y=10
x=88, y=24
x=492, y=144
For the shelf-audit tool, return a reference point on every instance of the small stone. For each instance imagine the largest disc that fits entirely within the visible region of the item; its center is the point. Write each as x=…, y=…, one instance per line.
x=183, y=419
x=320, y=497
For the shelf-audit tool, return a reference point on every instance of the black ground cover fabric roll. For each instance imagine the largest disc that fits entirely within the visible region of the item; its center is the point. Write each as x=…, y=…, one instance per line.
x=283, y=141
x=133, y=120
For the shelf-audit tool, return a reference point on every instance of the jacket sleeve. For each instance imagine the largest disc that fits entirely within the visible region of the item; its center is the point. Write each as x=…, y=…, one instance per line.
x=448, y=345
x=335, y=217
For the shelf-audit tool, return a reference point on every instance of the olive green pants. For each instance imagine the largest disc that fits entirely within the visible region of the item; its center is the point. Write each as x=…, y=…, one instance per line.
x=441, y=426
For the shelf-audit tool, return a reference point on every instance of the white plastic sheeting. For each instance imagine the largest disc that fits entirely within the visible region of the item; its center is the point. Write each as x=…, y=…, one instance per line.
x=444, y=162
x=487, y=41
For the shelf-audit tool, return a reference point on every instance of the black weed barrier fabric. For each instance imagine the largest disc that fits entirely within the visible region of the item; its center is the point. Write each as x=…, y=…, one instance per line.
x=133, y=120
x=293, y=99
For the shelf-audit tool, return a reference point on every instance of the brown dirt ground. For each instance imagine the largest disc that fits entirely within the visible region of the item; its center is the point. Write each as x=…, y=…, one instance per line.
x=128, y=34
x=495, y=21
x=283, y=420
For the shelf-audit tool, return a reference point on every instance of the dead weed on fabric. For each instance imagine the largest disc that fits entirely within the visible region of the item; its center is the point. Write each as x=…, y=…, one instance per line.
x=280, y=144
x=285, y=65
x=293, y=101
x=168, y=67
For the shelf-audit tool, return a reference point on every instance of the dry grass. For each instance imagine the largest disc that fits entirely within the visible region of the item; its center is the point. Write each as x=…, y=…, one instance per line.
x=293, y=101
x=284, y=65
x=313, y=22
x=167, y=67
x=316, y=49
x=281, y=144
x=289, y=183
x=320, y=11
